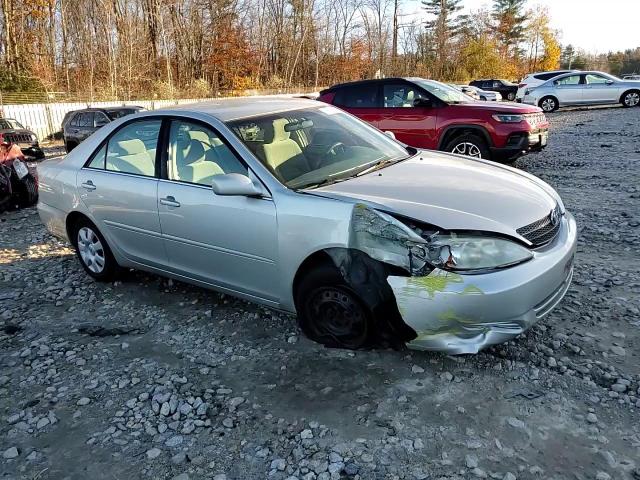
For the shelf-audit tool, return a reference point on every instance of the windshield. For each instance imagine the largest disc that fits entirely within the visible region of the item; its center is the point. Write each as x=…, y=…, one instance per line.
x=444, y=92
x=309, y=147
x=9, y=123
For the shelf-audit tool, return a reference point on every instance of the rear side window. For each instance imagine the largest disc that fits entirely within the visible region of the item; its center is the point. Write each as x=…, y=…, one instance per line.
x=132, y=149
x=570, y=80
x=86, y=119
x=98, y=159
x=75, y=120
x=358, y=96
x=546, y=76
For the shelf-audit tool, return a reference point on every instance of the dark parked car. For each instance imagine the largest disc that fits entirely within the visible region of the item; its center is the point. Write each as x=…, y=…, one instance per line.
x=429, y=114
x=79, y=124
x=14, y=133
x=505, y=88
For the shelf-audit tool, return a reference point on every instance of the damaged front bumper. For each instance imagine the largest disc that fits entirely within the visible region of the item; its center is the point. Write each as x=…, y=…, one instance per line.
x=461, y=314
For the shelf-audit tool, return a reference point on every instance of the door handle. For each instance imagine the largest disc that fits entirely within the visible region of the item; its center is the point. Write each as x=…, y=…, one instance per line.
x=169, y=201
x=88, y=185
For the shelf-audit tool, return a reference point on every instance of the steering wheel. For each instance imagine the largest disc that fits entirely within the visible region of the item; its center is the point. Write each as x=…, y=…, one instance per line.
x=332, y=148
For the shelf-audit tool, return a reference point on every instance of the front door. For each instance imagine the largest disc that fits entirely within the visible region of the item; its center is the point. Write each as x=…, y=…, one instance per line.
x=599, y=89
x=229, y=241
x=415, y=126
x=119, y=187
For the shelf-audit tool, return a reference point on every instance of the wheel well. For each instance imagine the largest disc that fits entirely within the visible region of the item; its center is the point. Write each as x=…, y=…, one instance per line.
x=317, y=258
x=463, y=130
x=628, y=91
x=71, y=220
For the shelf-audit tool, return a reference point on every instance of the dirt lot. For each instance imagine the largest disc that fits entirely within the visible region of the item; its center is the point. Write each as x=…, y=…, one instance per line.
x=149, y=378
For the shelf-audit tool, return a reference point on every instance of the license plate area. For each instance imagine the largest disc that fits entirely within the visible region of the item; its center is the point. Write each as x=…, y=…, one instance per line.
x=20, y=168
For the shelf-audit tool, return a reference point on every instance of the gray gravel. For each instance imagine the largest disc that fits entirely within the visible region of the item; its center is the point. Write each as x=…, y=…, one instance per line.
x=149, y=378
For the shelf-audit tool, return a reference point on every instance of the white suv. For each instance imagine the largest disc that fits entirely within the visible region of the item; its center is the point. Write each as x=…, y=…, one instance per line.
x=534, y=79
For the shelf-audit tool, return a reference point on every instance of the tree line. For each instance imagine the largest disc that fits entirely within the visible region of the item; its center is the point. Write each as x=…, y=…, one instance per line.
x=166, y=48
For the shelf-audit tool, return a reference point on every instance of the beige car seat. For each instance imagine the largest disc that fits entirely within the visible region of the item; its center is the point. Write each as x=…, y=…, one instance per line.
x=195, y=167
x=281, y=153
x=131, y=156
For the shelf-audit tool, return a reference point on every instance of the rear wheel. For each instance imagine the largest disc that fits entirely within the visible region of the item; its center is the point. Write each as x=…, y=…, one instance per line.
x=511, y=96
x=330, y=312
x=548, y=104
x=631, y=98
x=70, y=146
x=470, y=145
x=94, y=252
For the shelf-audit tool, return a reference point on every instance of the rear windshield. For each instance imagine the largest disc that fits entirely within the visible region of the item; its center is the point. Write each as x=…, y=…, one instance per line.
x=120, y=112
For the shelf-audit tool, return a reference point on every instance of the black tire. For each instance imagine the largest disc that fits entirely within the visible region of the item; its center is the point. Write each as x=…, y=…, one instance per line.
x=550, y=104
x=28, y=193
x=111, y=269
x=70, y=146
x=630, y=99
x=330, y=312
x=511, y=96
x=475, y=144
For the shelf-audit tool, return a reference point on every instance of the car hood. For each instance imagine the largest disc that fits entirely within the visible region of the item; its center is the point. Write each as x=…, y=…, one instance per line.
x=507, y=107
x=453, y=193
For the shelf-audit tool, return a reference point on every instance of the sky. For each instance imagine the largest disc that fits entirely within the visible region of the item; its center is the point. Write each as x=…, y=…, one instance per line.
x=597, y=26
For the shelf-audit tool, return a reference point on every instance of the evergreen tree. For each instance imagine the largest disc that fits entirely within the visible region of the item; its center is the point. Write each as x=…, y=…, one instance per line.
x=446, y=23
x=510, y=23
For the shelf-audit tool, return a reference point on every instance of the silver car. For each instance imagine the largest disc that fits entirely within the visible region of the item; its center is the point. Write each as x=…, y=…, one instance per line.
x=302, y=207
x=583, y=88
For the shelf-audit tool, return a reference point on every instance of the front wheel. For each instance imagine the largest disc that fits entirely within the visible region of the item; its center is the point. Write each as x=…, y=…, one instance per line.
x=93, y=252
x=470, y=145
x=330, y=312
x=548, y=104
x=631, y=99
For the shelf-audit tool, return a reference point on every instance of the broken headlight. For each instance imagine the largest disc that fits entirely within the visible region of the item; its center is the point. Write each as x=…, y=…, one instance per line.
x=471, y=253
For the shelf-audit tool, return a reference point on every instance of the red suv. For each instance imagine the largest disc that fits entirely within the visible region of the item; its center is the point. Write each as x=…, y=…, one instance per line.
x=429, y=114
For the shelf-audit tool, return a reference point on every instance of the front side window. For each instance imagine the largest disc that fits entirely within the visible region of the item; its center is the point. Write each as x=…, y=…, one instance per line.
x=197, y=154
x=313, y=146
x=132, y=149
x=400, y=95
x=444, y=92
x=100, y=119
x=595, y=79
x=358, y=96
x=570, y=80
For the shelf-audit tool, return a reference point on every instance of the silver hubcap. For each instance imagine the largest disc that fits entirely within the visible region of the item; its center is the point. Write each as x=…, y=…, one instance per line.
x=468, y=149
x=91, y=250
x=548, y=105
x=632, y=99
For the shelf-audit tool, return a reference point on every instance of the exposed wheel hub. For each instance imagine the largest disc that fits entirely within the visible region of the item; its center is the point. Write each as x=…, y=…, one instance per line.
x=337, y=314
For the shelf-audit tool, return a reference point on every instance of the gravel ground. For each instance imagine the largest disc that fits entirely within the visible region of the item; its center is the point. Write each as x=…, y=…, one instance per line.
x=149, y=378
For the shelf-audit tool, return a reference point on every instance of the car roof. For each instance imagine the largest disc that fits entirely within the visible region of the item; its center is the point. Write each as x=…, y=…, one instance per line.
x=370, y=80
x=236, y=108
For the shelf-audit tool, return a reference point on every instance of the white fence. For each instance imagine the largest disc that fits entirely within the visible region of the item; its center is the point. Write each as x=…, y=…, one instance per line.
x=45, y=119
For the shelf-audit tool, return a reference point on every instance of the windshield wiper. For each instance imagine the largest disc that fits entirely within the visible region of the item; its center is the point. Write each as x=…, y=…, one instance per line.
x=380, y=164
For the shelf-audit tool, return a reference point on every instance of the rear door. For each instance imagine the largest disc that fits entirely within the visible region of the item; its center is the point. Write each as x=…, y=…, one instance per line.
x=600, y=89
x=228, y=241
x=415, y=126
x=569, y=89
x=361, y=100
x=85, y=125
x=119, y=186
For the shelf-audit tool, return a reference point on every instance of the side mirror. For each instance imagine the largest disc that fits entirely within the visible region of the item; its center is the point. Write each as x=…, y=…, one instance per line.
x=422, y=102
x=235, y=184
x=390, y=134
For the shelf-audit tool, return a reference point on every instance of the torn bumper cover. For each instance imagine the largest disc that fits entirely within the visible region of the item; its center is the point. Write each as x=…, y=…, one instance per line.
x=465, y=313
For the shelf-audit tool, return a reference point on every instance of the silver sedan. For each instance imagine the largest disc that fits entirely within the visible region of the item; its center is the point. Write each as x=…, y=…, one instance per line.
x=302, y=207
x=583, y=88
